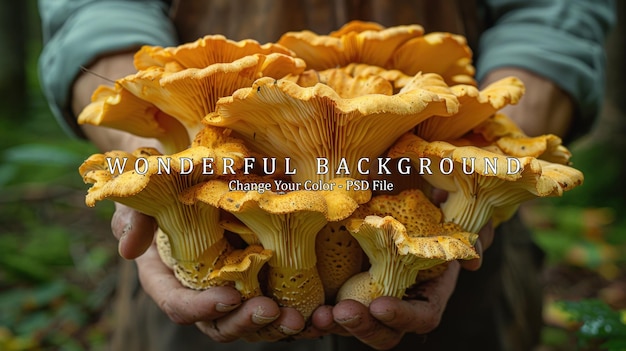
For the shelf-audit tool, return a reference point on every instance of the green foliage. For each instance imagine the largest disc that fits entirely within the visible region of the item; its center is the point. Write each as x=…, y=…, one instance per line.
x=600, y=324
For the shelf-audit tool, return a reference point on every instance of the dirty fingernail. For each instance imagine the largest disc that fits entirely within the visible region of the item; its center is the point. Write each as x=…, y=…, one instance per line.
x=222, y=307
x=287, y=330
x=349, y=322
x=260, y=319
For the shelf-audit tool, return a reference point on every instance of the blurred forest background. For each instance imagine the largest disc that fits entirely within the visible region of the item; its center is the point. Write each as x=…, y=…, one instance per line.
x=57, y=257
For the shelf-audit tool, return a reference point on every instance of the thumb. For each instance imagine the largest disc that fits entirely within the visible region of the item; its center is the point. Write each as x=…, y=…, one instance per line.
x=134, y=230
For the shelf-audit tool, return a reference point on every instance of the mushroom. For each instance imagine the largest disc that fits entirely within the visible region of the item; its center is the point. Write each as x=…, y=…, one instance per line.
x=314, y=124
x=339, y=257
x=445, y=54
x=475, y=106
x=190, y=94
x=480, y=182
x=242, y=268
x=499, y=130
x=206, y=51
x=401, y=235
x=151, y=183
x=286, y=224
x=355, y=42
x=115, y=107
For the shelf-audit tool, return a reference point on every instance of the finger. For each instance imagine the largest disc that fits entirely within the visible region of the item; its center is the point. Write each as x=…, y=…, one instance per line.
x=418, y=316
x=476, y=263
x=485, y=239
x=288, y=324
x=134, y=230
x=356, y=319
x=322, y=323
x=182, y=305
x=254, y=314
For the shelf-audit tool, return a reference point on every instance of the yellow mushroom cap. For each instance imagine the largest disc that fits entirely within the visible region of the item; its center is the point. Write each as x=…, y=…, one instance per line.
x=445, y=54
x=355, y=42
x=479, y=181
x=282, y=119
x=475, y=107
x=115, y=107
x=206, y=51
x=190, y=94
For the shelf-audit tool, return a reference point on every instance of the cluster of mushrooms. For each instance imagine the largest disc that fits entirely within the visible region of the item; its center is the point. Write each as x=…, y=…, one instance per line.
x=364, y=92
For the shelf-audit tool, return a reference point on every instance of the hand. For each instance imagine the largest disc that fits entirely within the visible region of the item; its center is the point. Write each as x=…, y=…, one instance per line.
x=218, y=312
x=383, y=324
x=544, y=108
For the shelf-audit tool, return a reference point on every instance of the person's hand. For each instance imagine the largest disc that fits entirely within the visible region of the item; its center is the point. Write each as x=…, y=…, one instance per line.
x=387, y=319
x=218, y=312
x=544, y=108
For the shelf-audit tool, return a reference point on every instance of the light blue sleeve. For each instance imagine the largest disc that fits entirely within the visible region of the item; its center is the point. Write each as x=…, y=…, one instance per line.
x=75, y=32
x=562, y=40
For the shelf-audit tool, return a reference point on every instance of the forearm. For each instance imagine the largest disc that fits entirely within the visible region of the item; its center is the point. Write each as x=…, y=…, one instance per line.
x=559, y=40
x=77, y=32
x=104, y=72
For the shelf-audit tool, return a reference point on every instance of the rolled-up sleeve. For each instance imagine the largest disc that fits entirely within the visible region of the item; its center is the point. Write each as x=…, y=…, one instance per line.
x=77, y=32
x=562, y=40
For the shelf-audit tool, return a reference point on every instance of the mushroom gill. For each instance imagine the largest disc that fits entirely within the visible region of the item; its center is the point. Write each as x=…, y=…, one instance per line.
x=402, y=235
x=480, y=181
x=310, y=125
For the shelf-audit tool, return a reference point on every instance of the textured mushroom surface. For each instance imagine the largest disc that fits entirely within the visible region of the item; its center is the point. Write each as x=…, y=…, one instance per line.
x=501, y=131
x=402, y=235
x=286, y=224
x=242, y=267
x=149, y=186
x=282, y=119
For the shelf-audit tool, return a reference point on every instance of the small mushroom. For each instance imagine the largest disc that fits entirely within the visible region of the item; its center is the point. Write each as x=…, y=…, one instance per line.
x=499, y=130
x=401, y=235
x=242, y=268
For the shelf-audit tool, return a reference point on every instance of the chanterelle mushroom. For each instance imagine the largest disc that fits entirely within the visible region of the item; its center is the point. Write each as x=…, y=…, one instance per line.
x=287, y=225
x=479, y=181
x=354, y=42
x=306, y=125
x=191, y=93
x=475, y=106
x=501, y=131
x=443, y=53
x=206, y=51
x=404, y=234
x=242, y=268
x=151, y=183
